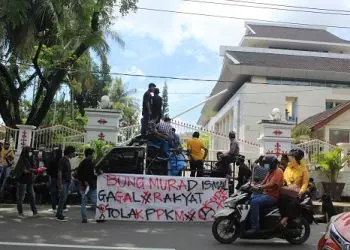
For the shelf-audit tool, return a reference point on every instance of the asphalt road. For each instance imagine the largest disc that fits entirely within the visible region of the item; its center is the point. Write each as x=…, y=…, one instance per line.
x=47, y=233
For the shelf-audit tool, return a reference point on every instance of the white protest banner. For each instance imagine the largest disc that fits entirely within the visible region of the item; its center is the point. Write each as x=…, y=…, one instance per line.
x=159, y=198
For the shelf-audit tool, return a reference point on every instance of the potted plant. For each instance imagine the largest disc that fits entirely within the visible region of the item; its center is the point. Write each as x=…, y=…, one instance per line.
x=330, y=164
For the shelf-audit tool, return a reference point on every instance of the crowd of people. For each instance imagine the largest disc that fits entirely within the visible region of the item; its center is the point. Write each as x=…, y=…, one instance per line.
x=62, y=177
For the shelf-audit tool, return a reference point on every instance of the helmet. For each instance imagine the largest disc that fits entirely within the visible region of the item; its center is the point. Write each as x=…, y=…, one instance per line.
x=297, y=153
x=272, y=161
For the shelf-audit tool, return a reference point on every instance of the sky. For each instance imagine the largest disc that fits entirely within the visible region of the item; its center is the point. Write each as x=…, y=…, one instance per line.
x=170, y=44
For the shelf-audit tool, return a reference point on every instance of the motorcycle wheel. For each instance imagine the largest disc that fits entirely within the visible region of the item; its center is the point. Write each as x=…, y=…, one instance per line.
x=304, y=226
x=224, y=231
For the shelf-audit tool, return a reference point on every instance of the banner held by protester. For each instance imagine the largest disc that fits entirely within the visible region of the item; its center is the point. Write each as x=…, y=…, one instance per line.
x=159, y=198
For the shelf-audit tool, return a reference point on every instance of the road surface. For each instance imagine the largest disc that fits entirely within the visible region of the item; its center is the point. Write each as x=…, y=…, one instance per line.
x=46, y=232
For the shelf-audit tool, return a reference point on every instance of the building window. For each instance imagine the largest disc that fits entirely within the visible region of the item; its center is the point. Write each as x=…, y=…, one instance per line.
x=306, y=82
x=291, y=109
x=338, y=135
x=332, y=104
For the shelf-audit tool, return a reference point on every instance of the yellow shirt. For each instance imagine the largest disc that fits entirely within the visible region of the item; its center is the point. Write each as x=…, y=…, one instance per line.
x=195, y=146
x=6, y=153
x=298, y=176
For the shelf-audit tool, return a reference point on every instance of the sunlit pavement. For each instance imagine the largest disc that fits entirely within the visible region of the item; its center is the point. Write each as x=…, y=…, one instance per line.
x=46, y=232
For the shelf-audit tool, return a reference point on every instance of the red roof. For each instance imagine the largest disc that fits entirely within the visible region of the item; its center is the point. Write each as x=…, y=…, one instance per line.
x=321, y=119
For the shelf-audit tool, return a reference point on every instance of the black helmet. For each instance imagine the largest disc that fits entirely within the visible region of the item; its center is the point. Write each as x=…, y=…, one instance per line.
x=272, y=161
x=297, y=153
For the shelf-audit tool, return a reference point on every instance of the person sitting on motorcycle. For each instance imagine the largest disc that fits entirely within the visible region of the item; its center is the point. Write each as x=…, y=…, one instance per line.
x=296, y=178
x=271, y=190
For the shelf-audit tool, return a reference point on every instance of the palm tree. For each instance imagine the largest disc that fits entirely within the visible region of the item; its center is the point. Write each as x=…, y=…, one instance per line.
x=49, y=39
x=120, y=96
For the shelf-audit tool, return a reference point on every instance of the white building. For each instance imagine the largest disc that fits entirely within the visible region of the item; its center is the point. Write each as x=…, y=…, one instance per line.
x=302, y=71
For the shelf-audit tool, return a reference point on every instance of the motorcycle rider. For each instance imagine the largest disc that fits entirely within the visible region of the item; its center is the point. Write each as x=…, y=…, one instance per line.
x=271, y=190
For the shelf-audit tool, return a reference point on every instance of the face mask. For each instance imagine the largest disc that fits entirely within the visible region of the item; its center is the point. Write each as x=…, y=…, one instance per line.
x=30, y=154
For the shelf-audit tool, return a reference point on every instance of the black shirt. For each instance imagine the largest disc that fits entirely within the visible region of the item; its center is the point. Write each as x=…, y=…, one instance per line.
x=244, y=174
x=85, y=173
x=65, y=167
x=157, y=106
x=147, y=98
x=52, y=169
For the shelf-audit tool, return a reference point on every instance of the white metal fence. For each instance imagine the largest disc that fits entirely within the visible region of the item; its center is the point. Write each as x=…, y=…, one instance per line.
x=55, y=136
x=9, y=134
x=315, y=147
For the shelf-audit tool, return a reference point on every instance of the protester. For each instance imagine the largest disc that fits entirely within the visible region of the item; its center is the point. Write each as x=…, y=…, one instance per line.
x=260, y=170
x=147, y=108
x=271, y=190
x=157, y=106
x=164, y=127
x=195, y=147
x=64, y=178
x=296, y=176
x=157, y=138
x=24, y=177
x=233, y=153
x=88, y=182
x=52, y=171
x=7, y=157
x=176, y=139
x=221, y=170
x=244, y=173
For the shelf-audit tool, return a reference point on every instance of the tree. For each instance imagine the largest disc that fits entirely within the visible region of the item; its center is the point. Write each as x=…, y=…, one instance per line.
x=49, y=40
x=120, y=96
x=165, y=108
x=93, y=89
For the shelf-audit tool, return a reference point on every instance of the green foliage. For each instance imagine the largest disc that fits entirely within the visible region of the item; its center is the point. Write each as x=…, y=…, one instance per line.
x=57, y=37
x=331, y=163
x=165, y=108
x=120, y=96
x=100, y=148
x=301, y=131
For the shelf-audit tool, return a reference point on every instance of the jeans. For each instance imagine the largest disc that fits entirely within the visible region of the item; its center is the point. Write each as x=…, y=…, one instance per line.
x=196, y=166
x=22, y=189
x=63, y=194
x=4, y=175
x=144, y=124
x=53, y=192
x=92, y=195
x=256, y=202
x=163, y=144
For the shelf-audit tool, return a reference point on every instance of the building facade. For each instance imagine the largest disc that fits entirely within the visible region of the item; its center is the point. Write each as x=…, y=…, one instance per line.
x=301, y=71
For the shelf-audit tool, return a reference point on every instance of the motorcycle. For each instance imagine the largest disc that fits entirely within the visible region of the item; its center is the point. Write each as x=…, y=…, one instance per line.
x=232, y=221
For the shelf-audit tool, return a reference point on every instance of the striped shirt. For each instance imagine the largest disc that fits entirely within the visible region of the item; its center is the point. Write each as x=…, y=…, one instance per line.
x=260, y=173
x=165, y=128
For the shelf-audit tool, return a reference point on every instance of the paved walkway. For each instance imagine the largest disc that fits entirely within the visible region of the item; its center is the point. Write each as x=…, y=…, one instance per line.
x=46, y=233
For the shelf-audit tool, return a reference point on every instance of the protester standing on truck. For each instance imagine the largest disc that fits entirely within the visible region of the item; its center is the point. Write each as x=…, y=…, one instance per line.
x=195, y=148
x=157, y=106
x=147, y=107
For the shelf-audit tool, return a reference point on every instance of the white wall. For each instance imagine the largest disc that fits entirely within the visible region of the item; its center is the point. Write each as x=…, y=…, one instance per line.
x=258, y=99
x=341, y=122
